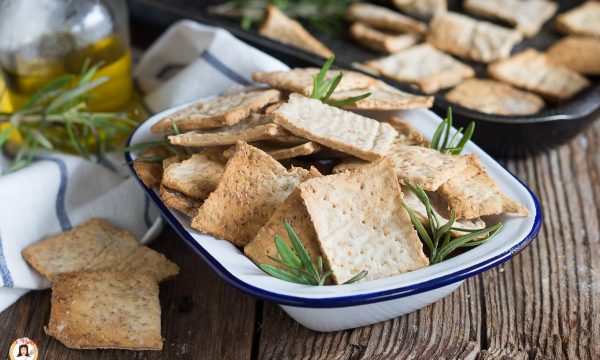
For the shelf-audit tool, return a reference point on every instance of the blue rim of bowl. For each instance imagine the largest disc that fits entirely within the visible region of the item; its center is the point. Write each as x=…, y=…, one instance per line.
x=340, y=301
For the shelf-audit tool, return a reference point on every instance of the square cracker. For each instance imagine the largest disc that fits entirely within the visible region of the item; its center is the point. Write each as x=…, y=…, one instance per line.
x=122, y=245
x=421, y=8
x=343, y=131
x=382, y=41
x=473, y=193
x=384, y=98
x=581, y=20
x=534, y=71
x=578, y=53
x=195, y=177
x=106, y=309
x=423, y=66
x=471, y=39
x=178, y=201
x=526, y=16
x=383, y=18
x=149, y=262
x=494, y=97
x=281, y=28
x=361, y=224
x=251, y=188
x=218, y=112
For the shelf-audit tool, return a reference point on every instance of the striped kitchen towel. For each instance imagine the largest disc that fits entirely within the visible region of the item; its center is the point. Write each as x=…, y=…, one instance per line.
x=58, y=191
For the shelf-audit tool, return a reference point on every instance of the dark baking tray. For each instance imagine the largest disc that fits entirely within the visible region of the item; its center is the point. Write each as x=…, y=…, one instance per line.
x=512, y=136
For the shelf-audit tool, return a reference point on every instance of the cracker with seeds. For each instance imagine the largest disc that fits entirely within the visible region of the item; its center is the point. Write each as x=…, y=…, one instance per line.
x=581, y=20
x=384, y=98
x=144, y=260
x=383, y=18
x=106, y=310
x=578, y=53
x=280, y=27
x=361, y=224
x=180, y=202
x=534, y=71
x=383, y=41
x=150, y=172
x=251, y=188
x=471, y=39
x=343, y=131
x=423, y=66
x=119, y=249
x=218, y=112
x=473, y=193
x=494, y=97
x=421, y=8
x=195, y=177
x=526, y=16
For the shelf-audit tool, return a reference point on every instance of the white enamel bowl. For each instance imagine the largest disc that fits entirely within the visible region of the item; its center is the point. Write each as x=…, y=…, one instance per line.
x=330, y=308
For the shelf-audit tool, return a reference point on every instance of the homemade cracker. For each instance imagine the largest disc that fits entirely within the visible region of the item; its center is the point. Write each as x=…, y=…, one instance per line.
x=149, y=262
x=421, y=8
x=279, y=153
x=195, y=177
x=494, y=97
x=226, y=137
x=534, y=71
x=526, y=16
x=385, y=98
x=218, y=112
x=471, y=39
x=343, y=131
x=173, y=160
x=407, y=134
x=581, y=54
x=581, y=20
x=251, y=188
x=383, y=18
x=361, y=224
x=286, y=30
x=106, y=309
x=382, y=41
x=122, y=245
x=150, y=172
x=473, y=193
x=178, y=201
x=423, y=66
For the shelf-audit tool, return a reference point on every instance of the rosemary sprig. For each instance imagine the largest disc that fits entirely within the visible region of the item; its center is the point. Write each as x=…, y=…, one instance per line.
x=438, y=237
x=299, y=267
x=323, y=89
x=57, y=117
x=451, y=145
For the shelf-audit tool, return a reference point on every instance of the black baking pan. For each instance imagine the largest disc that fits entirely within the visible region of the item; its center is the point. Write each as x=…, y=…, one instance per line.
x=506, y=136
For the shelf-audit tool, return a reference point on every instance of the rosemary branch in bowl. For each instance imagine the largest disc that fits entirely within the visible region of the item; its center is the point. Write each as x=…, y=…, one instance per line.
x=454, y=145
x=324, y=88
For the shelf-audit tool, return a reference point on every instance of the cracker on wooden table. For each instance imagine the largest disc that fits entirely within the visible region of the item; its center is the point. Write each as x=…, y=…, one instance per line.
x=382, y=41
x=383, y=18
x=582, y=20
x=473, y=193
x=178, y=201
x=280, y=27
x=534, y=71
x=383, y=97
x=578, y=53
x=122, y=245
x=421, y=8
x=251, y=188
x=361, y=224
x=106, y=309
x=494, y=97
x=195, y=177
x=71, y=250
x=526, y=16
x=300, y=80
x=423, y=66
x=149, y=262
x=343, y=131
x=218, y=112
x=277, y=152
x=150, y=172
x=471, y=39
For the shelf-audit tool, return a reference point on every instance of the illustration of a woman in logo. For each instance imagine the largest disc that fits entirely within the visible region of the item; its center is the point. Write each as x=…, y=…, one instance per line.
x=24, y=353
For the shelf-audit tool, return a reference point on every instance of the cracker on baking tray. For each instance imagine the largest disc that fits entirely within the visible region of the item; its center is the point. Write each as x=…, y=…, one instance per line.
x=343, y=131
x=494, y=97
x=526, y=16
x=421, y=8
x=471, y=39
x=578, y=53
x=195, y=177
x=383, y=41
x=423, y=66
x=383, y=97
x=473, y=193
x=218, y=112
x=581, y=20
x=383, y=18
x=280, y=27
x=106, y=309
x=251, y=188
x=534, y=71
x=361, y=224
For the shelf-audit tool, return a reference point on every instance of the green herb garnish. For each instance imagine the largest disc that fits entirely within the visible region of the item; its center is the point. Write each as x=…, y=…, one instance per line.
x=323, y=89
x=438, y=237
x=299, y=267
x=451, y=145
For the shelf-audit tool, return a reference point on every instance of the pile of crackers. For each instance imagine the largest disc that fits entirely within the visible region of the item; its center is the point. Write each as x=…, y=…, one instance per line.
x=104, y=287
x=262, y=156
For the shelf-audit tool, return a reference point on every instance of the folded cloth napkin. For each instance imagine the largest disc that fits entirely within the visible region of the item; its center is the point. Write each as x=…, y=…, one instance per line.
x=58, y=191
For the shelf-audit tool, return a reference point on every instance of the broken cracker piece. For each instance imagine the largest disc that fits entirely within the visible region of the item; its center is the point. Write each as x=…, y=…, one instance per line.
x=383, y=41
x=150, y=172
x=383, y=18
x=195, y=177
x=279, y=153
x=227, y=136
x=178, y=201
x=383, y=98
